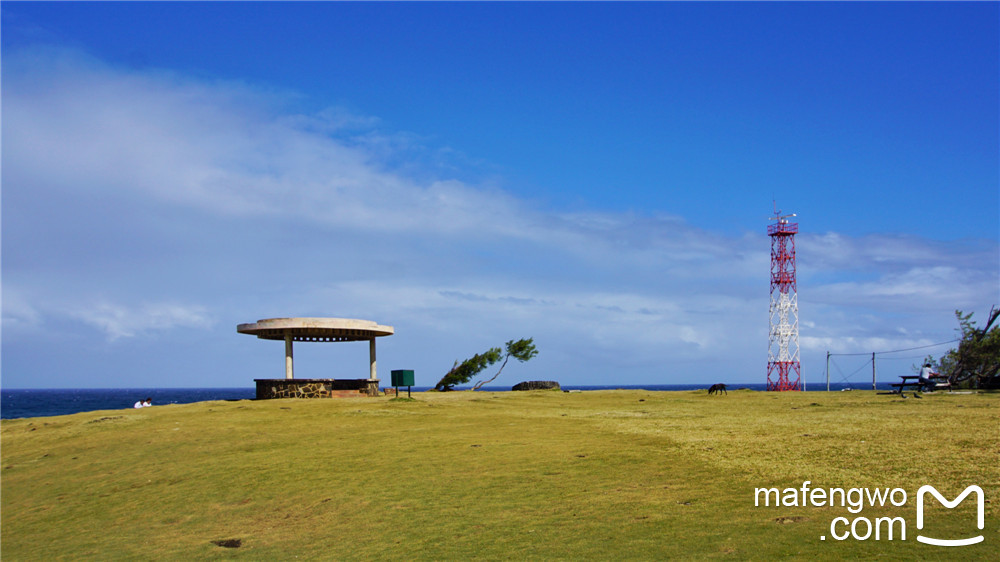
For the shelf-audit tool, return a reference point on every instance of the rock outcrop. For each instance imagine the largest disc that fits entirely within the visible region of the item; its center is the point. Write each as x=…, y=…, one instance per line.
x=536, y=385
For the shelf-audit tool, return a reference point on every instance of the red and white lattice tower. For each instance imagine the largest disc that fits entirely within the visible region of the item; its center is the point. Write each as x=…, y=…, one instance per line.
x=783, y=370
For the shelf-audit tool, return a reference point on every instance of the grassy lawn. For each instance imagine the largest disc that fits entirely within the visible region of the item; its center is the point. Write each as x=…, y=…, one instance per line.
x=515, y=475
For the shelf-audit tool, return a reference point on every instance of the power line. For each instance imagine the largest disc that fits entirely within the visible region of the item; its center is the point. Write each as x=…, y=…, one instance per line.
x=846, y=378
x=897, y=350
x=906, y=358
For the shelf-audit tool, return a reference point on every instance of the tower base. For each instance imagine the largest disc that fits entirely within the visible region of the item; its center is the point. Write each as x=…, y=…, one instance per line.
x=783, y=375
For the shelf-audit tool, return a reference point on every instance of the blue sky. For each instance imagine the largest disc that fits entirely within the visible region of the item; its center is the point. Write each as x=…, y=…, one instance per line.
x=597, y=176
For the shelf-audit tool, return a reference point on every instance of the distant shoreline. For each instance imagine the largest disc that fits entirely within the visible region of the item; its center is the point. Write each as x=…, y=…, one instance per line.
x=46, y=402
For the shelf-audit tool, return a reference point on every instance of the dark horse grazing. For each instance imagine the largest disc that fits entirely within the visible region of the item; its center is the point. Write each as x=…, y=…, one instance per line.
x=717, y=389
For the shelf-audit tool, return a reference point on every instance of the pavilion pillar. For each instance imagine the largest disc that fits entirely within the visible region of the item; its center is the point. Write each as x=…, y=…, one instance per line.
x=288, y=357
x=372, y=375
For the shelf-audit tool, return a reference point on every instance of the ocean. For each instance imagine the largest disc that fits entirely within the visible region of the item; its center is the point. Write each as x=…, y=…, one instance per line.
x=32, y=403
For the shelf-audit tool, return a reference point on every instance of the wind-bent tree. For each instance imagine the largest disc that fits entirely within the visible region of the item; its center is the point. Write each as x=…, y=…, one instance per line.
x=461, y=373
x=977, y=358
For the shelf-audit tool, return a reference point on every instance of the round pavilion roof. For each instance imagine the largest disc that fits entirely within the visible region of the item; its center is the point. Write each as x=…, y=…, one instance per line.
x=315, y=329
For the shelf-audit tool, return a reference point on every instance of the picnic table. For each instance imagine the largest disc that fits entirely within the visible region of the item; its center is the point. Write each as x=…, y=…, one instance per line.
x=908, y=381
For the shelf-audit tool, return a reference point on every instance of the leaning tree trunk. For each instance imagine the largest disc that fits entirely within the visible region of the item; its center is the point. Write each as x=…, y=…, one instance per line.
x=481, y=383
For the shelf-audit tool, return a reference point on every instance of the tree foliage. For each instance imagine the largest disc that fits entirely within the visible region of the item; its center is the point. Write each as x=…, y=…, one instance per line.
x=461, y=373
x=977, y=357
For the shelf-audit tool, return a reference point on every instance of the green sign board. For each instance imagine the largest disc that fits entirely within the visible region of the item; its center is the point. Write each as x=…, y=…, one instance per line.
x=402, y=378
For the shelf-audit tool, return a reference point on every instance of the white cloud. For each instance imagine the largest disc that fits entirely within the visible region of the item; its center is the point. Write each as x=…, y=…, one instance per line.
x=642, y=326
x=18, y=312
x=839, y=252
x=118, y=321
x=222, y=148
x=932, y=287
x=870, y=344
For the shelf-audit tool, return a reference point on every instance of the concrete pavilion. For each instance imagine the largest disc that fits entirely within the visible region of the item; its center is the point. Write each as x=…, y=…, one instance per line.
x=316, y=330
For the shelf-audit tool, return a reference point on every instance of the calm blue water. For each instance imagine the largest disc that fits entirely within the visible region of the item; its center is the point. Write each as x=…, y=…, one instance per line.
x=24, y=403
x=56, y=402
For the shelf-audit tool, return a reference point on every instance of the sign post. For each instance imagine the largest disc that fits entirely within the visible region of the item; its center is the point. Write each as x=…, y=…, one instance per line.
x=402, y=378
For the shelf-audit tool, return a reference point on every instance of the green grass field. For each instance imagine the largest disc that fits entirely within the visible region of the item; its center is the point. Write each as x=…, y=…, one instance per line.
x=531, y=475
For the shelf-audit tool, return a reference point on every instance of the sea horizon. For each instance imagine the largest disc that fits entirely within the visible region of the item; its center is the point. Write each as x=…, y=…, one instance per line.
x=46, y=402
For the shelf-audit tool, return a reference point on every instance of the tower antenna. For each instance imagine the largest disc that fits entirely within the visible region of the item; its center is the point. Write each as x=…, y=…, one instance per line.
x=783, y=368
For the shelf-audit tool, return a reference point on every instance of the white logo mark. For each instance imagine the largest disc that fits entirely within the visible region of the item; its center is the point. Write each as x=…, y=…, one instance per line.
x=950, y=505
